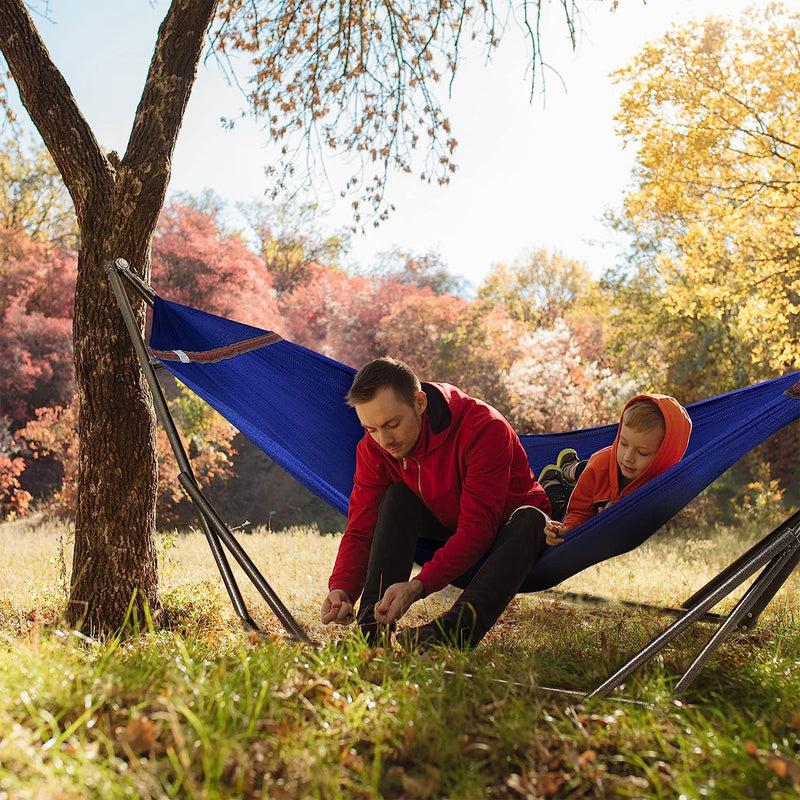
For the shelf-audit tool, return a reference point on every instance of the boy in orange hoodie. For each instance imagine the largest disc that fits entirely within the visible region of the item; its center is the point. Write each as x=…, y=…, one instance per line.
x=652, y=436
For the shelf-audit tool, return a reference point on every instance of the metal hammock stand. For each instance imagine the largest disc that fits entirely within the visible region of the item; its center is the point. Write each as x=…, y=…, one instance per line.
x=775, y=557
x=216, y=531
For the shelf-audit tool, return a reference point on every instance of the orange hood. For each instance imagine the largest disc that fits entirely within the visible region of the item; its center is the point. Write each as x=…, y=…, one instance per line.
x=678, y=427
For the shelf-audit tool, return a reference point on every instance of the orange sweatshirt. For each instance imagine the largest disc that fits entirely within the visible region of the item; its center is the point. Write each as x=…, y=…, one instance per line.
x=598, y=485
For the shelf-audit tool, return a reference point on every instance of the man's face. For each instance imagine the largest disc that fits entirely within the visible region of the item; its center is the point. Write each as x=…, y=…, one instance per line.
x=636, y=449
x=392, y=423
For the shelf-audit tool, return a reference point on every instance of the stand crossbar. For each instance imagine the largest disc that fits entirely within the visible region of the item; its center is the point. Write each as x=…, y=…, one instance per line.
x=776, y=555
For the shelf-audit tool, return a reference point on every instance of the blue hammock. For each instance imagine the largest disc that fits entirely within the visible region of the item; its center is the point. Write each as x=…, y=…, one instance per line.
x=289, y=401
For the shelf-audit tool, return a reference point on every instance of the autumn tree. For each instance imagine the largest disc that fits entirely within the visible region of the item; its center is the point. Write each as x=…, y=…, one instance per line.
x=290, y=243
x=415, y=328
x=358, y=78
x=37, y=284
x=52, y=435
x=447, y=338
x=537, y=289
x=554, y=296
x=14, y=499
x=339, y=314
x=552, y=385
x=33, y=197
x=713, y=286
x=198, y=264
x=117, y=202
x=423, y=270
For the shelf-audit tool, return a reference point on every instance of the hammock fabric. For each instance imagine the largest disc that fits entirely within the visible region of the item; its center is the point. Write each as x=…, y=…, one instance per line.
x=289, y=401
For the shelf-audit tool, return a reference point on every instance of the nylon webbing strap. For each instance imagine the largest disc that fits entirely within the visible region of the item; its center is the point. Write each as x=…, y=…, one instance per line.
x=217, y=353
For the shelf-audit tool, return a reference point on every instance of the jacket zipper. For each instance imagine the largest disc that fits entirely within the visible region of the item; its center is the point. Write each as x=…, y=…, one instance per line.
x=419, y=476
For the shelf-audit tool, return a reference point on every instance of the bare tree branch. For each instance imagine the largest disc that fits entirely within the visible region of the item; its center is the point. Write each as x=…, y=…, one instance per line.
x=172, y=74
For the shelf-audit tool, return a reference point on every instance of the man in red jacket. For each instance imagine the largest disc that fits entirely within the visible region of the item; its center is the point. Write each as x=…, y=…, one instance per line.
x=437, y=464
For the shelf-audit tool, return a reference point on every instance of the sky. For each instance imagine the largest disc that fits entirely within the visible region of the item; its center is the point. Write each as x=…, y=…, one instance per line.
x=534, y=171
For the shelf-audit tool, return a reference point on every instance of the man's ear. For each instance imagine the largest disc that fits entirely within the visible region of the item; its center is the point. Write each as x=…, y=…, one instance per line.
x=421, y=402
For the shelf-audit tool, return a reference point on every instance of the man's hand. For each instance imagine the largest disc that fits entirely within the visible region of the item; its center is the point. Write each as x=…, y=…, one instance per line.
x=337, y=607
x=554, y=532
x=396, y=601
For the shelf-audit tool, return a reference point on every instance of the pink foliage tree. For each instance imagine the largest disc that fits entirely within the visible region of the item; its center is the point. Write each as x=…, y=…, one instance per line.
x=14, y=499
x=340, y=315
x=552, y=387
x=197, y=264
x=449, y=339
x=416, y=328
x=37, y=284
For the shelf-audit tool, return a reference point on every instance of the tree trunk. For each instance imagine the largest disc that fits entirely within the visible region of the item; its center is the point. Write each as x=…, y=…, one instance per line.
x=117, y=204
x=114, y=558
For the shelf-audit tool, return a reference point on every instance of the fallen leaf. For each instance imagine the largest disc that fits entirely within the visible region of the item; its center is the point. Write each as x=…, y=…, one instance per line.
x=373, y=653
x=784, y=767
x=138, y=735
x=353, y=761
x=549, y=784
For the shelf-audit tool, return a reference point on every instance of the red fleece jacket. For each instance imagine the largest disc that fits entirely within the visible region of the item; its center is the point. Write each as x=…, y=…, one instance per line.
x=468, y=467
x=598, y=485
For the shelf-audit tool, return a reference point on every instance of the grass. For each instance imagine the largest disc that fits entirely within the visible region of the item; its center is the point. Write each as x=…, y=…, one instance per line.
x=202, y=709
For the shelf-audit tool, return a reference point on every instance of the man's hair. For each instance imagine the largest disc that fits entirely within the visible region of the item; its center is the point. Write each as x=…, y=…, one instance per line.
x=381, y=373
x=644, y=415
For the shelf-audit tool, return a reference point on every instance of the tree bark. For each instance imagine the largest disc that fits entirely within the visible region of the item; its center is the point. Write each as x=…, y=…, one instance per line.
x=117, y=205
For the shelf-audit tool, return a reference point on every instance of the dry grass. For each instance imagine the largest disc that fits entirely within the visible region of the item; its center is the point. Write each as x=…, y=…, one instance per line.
x=297, y=561
x=669, y=567
x=204, y=710
x=38, y=558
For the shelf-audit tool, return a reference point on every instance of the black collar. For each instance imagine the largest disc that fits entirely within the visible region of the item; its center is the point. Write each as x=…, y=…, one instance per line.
x=439, y=414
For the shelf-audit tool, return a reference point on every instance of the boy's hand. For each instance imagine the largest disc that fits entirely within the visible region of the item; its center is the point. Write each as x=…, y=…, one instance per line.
x=337, y=607
x=554, y=532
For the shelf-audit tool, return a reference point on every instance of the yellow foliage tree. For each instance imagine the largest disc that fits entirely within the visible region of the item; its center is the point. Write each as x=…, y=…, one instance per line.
x=713, y=109
x=33, y=197
x=537, y=289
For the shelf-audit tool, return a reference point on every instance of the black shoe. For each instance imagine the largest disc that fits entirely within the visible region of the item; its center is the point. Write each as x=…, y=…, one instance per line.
x=551, y=474
x=454, y=629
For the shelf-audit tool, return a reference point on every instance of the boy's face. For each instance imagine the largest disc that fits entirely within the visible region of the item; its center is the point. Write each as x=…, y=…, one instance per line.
x=636, y=449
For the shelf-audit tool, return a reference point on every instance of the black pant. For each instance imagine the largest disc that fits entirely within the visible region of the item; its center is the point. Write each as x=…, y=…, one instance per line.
x=403, y=519
x=558, y=493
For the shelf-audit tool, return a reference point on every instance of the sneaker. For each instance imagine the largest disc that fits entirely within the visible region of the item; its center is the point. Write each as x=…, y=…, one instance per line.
x=567, y=456
x=565, y=461
x=551, y=474
x=454, y=628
